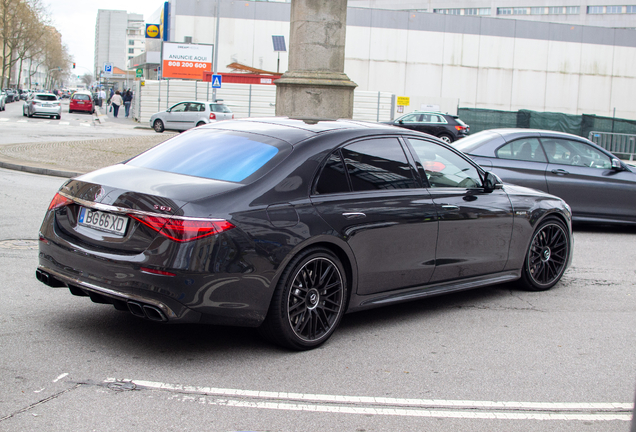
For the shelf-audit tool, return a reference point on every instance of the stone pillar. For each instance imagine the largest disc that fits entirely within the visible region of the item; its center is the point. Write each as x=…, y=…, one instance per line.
x=315, y=86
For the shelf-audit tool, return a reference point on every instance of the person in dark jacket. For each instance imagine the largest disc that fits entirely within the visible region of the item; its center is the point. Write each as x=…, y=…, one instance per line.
x=127, y=101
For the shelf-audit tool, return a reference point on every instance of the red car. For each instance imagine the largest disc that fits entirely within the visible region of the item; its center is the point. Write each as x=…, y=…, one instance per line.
x=81, y=101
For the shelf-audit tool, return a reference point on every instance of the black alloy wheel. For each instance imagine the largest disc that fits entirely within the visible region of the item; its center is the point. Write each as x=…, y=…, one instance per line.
x=309, y=301
x=158, y=126
x=547, y=256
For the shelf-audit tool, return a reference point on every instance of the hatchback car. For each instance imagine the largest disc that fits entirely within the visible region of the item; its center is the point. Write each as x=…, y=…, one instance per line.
x=286, y=225
x=188, y=114
x=42, y=104
x=598, y=186
x=446, y=127
x=81, y=101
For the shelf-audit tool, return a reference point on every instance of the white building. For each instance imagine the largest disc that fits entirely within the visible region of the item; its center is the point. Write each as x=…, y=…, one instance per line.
x=599, y=13
x=119, y=36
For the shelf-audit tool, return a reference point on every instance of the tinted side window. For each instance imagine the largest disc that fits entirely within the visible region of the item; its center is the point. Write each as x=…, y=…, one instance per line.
x=333, y=178
x=525, y=149
x=179, y=108
x=378, y=164
x=445, y=168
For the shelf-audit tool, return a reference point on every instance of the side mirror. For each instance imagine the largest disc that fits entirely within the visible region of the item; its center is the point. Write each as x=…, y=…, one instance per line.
x=401, y=121
x=617, y=165
x=492, y=182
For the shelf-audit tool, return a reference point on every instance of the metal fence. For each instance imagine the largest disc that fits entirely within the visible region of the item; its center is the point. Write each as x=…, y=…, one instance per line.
x=622, y=145
x=245, y=100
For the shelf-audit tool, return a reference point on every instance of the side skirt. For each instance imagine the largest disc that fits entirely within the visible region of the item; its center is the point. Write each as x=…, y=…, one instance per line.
x=358, y=303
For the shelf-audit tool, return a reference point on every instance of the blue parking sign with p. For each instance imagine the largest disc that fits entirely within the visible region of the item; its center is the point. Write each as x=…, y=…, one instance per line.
x=216, y=81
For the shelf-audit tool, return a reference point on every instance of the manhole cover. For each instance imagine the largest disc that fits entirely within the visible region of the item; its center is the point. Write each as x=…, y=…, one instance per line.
x=19, y=244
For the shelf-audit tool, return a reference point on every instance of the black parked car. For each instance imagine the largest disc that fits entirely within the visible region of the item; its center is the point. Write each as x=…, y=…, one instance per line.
x=287, y=225
x=446, y=127
x=596, y=184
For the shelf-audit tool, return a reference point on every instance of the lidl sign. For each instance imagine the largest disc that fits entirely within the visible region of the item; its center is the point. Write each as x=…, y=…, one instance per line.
x=152, y=31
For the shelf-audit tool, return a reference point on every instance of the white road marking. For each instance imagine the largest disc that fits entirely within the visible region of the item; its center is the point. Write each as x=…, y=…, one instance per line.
x=396, y=406
x=85, y=124
x=4, y=119
x=64, y=123
x=22, y=121
x=60, y=377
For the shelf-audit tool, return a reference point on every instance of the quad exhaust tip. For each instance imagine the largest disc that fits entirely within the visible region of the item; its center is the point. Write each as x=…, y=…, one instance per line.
x=146, y=311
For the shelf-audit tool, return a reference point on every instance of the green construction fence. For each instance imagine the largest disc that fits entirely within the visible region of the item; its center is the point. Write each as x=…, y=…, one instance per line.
x=482, y=119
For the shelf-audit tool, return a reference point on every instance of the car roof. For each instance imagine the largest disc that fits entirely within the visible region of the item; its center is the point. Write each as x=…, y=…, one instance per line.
x=198, y=101
x=295, y=130
x=486, y=142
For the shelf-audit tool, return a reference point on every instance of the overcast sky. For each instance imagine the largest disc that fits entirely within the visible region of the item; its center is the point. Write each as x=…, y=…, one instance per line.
x=75, y=20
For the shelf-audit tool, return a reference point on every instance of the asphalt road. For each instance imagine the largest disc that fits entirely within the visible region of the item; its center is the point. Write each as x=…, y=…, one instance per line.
x=490, y=359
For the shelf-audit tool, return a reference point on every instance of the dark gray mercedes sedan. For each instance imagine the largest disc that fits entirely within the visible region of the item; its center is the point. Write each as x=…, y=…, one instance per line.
x=598, y=186
x=286, y=225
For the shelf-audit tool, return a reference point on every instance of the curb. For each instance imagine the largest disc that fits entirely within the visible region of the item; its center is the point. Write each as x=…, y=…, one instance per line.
x=39, y=170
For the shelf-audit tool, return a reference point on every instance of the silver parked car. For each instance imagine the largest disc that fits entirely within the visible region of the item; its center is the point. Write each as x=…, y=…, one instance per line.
x=45, y=104
x=3, y=100
x=188, y=114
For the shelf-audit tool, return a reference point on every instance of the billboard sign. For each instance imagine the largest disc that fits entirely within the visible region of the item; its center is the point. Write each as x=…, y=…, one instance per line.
x=186, y=61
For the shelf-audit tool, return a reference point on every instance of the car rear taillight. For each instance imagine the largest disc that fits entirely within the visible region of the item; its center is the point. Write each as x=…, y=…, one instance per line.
x=232, y=116
x=184, y=230
x=59, y=201
x=212, y=116
x=461, y=128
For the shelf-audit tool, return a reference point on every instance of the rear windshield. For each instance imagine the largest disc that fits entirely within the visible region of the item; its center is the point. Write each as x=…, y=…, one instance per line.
x=81, y=97
x=218, y=155
x=46, y=97
x=219, y=108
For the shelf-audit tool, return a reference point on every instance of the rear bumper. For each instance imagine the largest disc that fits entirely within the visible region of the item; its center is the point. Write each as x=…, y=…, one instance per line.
x=46, y=111
x=142, y=306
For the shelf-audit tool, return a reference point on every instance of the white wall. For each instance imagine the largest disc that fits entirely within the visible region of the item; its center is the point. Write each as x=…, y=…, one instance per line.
x=478, y=70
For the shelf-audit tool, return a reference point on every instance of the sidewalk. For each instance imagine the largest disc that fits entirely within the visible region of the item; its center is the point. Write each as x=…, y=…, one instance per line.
x=75, y=157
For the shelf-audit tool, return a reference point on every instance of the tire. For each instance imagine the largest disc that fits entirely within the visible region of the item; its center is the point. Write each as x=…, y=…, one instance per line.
x=23, y=113
x=547, y=256
x=446, y=138
x=158, y=126
x=59, y=117
x=201, y=123
x=309, y=301
x=70, y=111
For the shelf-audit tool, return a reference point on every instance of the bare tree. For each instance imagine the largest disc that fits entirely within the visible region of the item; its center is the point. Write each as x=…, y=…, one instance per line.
x=87, y=79
x=22, y=24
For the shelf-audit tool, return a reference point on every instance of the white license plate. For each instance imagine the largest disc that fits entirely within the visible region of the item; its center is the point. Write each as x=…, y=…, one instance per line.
x=103, y=221
x=47, y=105
x=80, y=103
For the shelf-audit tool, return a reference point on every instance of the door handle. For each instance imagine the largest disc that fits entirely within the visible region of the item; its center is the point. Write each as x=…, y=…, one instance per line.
x=354, y=215
x=560, y=171
x=450, y=207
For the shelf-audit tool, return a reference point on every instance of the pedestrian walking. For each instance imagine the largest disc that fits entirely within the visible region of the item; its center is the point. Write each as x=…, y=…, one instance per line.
x=102, y=96
x=116, y=101
x=127, y=101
